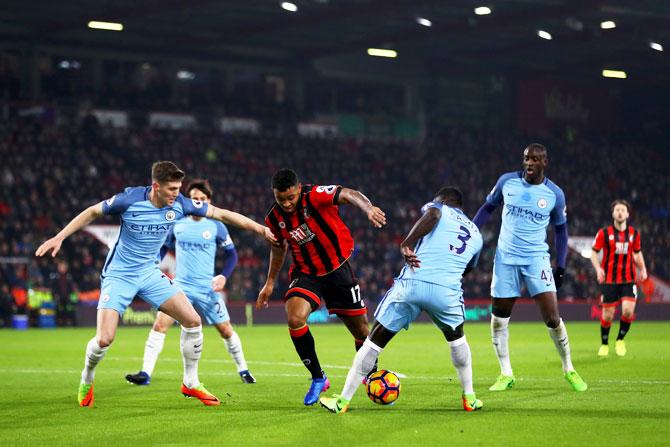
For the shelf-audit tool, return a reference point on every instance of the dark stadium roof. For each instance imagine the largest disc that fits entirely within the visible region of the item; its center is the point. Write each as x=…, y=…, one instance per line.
x=261, y=32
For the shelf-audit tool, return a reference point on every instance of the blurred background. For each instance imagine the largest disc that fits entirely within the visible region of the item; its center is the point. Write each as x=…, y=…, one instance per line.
x=394, y=98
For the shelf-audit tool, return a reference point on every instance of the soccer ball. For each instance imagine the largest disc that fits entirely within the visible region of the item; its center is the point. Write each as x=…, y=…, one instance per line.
x=383, y=387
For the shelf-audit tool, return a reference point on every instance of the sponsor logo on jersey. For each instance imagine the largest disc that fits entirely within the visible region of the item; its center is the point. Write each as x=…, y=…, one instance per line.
x=170, y=215
x=621, y=248
x=302, y=234
x=207, y=234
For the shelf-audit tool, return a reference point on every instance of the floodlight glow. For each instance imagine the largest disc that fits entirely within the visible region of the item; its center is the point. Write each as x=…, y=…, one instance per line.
x=614, y=74
x=656, y=46
x=185, y=75
x=380, y=52
x=544, y=35
x=482, y=10
x=424, y=22
x=608, y=24
x=109, y=26
x=289, y=6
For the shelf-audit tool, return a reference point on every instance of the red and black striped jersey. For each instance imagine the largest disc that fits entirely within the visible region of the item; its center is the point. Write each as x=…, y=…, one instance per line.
x=320, y=241
x=618, y=249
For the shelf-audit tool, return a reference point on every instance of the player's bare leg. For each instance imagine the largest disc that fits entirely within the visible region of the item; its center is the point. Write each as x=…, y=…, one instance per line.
x=549, y=309
x=500, y=314
x=605, y=325
x=106, y=325
x=179, y=308
x=627, y=317
x=297, y=311
x=234, y=347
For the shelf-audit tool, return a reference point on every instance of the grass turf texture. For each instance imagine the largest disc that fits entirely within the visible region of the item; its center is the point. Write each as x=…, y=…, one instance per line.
x=627, y=403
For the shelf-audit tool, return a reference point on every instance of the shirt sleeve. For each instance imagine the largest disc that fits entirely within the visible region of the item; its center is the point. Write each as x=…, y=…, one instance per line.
x=193, y=207
x=275, y=231
x=223, y=239
x=599, y=240
x=495, y=197
x=559, y=215
x=430, y=205
x=170, y=241
x=323, y=196
x=118, y=203
x=637, y=243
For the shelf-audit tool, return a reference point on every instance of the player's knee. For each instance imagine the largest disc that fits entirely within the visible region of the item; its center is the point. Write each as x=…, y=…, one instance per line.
x=104, y=341
x=627, y=314
x=192, y=321
x=160, y=326
x=226, y=330
x=453, y=334
x=296, y=321
x=552, y=321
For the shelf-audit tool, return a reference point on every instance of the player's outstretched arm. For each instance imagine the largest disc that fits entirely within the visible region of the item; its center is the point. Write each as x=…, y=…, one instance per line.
x=641, y=267
x=84, y=218
x=422, y=227
x=240, y=221
x=277, y=256
x=375, y=215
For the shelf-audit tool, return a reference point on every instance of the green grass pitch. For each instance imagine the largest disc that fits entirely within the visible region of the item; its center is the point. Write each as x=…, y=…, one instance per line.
x=627, y=403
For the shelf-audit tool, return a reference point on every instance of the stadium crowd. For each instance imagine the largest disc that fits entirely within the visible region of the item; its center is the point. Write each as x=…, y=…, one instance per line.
x=51, y=171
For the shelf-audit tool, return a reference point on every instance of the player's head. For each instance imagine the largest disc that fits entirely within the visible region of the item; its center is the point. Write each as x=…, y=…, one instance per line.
x=450, y=196
x=199, y=190
x=620, y=210
x=286, y=188
x=534, y=161
x=166, y=180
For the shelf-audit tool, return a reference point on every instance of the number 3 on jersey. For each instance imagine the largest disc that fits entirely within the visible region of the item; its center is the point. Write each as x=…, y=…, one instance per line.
x=463, y=238
x=327, y=189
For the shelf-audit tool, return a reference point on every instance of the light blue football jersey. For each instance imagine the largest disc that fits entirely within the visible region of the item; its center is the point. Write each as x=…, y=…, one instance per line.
x=144, y=229
x=195, y=244
x=527, y=211
x=447, y=250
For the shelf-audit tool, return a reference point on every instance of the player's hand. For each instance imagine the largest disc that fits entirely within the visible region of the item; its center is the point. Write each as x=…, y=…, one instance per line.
x=410, y=257
x=52, y=245
x=264, y=296
x=559, y=274
x=600, y=274
x=268, y=235
x=218, y=283
x=377, y=217
x=643, y=275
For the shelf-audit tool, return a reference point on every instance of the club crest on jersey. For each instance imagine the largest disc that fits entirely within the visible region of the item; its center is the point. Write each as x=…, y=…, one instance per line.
x=542, y=203
x=207, y=234
x=170, y=215
x=302, y=234
x=197, y=203
x=282, y=225
x=105, y=298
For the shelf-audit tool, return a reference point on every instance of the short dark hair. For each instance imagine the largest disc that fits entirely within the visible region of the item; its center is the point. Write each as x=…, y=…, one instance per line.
x=166, y=171
x=452, y=195
x=284, y=179
x=620, y=202
x=200, y=184
x=538, y=147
